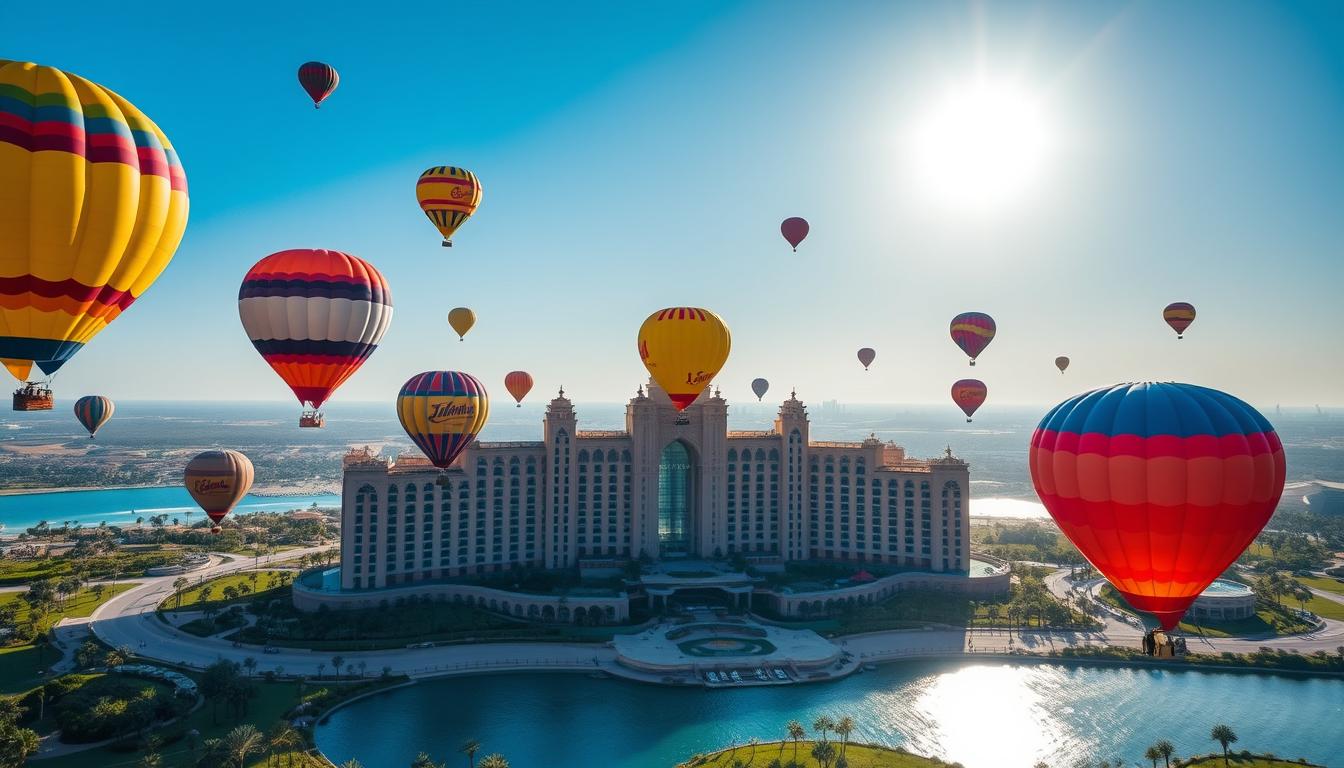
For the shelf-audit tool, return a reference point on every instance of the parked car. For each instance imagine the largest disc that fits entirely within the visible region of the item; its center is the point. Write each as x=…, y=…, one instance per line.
x=736, y=677
x=779, y=674
x=760, y=675
x=712, y=676
x=270, y=649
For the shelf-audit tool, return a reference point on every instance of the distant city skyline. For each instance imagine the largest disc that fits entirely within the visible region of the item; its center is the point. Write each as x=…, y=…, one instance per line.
x=636, y=158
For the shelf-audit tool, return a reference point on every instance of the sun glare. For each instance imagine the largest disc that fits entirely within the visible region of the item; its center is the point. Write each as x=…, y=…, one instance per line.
x=982, y=146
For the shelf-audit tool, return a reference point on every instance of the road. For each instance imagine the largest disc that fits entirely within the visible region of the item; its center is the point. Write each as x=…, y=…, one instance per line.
x=129, y=620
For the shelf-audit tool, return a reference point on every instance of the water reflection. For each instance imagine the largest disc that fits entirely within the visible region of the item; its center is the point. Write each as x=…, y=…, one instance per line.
x=982, y=715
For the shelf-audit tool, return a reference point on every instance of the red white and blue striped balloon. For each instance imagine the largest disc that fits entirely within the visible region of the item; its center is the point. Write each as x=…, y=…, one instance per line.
x=93, y=411
x=315, y=316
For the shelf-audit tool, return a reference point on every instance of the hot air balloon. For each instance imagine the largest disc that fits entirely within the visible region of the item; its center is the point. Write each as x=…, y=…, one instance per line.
x=461, y=319
x=319, y=80
x=1061, y=363
x=866, y=356
x=969, y=395
x=93, y=411
x=448, y=196
x=442, y=412
x=794, y=230
x=972, y=331
x=93, y=202
x=1179, y=315
x=519, y=383
x=218, y=480
x=684, y=348
x=315, y=316
x=760, y=387
x=1161, y=486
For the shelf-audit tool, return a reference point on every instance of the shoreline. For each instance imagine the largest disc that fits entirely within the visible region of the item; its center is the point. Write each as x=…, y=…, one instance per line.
x=265, y=492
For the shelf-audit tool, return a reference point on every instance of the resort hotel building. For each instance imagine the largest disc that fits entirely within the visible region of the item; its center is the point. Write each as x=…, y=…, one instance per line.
x=671, y=489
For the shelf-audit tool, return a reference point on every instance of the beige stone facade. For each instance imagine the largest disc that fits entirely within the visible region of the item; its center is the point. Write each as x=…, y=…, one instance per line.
x=670, y=485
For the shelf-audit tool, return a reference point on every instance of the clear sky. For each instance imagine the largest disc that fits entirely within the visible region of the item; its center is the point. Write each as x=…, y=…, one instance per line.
x=641, y=155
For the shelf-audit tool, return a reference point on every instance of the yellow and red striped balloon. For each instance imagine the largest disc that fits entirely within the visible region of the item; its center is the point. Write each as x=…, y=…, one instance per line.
x=684, y=348
x=93, y=203
x=448, y=196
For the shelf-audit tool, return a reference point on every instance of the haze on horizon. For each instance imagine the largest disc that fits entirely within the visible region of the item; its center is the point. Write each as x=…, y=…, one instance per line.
x=633, y=159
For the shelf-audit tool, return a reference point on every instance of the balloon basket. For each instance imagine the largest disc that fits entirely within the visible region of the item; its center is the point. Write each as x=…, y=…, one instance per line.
x=312, y=420
x=447, y=243
x=33, y=396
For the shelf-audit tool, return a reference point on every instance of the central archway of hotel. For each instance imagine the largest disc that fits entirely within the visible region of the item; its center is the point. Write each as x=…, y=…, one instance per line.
x=675, y=476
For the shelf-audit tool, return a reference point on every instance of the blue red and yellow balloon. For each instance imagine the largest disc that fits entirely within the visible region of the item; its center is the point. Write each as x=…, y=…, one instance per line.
x=1161, y=486
x=319, y=80
x=969, y=395
x=93, y=411
x=93, y=203
x=218, y=480
x=442, y=412
x=1179, y=315
x=315, y=316
x=972, y=331
x=683, y=349
x=448, y=196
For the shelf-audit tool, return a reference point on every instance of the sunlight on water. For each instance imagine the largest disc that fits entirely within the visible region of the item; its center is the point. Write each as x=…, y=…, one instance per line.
x=987, y=715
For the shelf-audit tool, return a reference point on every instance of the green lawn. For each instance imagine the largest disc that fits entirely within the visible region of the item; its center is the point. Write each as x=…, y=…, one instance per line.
x=1323, y=583
x=858, y=756
x=1265, y=621
x=1246, y=762
x=78, y=605
x=191, y=598
x=1322, y=606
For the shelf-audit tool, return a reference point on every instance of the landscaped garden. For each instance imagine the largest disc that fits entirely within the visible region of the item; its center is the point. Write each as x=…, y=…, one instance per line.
x=30, y=614
x=231, y=588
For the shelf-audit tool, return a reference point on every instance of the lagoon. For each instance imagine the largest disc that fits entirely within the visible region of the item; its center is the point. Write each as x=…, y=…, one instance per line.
x=121, y=506
x=983, y=714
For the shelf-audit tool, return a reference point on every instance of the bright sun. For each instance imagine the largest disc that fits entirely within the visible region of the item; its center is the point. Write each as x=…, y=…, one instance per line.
x=982, y=146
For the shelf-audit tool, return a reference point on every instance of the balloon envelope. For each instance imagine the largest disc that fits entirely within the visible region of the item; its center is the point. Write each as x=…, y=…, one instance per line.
x=1161, y=486
x=794, y=230
x=760, y=387
x=319, y=80
x=93, y=411
x=315, y=316
x=866, y=356
x=442, y=412
x=1061, y=363
x=1179, y=315
x=448, y=196
x=972, y=331
x=218, y=480
x=461, y=319
x=519, y=383
x=969, y=395
x=93, y=202
x=683, y=348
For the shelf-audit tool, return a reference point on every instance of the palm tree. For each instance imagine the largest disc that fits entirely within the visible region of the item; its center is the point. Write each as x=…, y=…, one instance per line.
x=1167, y=749
x=796, y=732
x=150, y=760
x=1224, y=735
x=179, y=584
x=337, y=661
x=843, y=729
x=822, y=725
x=352, y=763
x=1152, y=753
x=494, y=761
x=473, y=746
x=250, y=664
x=823, y=752
x=321, y=666
x=282, y=738
x=242, y=742
x=754, y=741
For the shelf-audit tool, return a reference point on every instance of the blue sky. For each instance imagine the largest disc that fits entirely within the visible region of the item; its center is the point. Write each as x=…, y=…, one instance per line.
x=636, y=156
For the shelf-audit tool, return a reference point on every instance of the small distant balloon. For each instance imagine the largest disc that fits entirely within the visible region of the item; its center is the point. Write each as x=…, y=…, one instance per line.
x=760, y=387
x=1061, y=363
x=972, y=331
x=461, y=319
x=519, y=383
x=93, y=411
x=319, y=80
x=1179, y=315
x=866, y=356
x=218, y=480
x=794, y=229
x=969, y=395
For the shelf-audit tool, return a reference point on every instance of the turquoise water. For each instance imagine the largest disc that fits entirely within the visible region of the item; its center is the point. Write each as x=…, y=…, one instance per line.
x=121, y=506
x=1225, y=587
x=985, y=715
